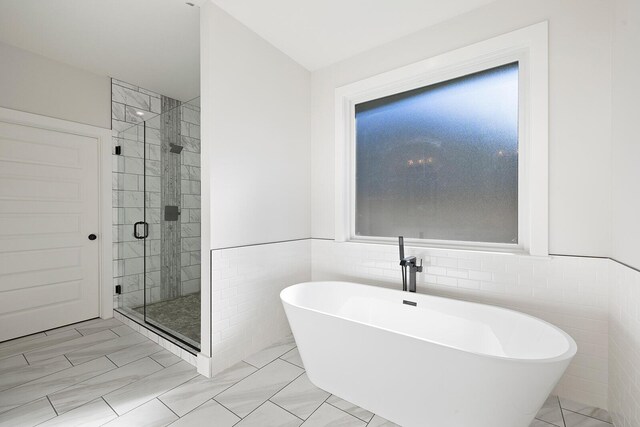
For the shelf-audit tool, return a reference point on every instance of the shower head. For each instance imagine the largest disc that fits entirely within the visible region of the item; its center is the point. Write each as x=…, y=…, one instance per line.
x=174, y=148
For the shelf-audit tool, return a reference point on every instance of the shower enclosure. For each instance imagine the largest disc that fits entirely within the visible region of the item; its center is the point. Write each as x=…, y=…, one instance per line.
x=158, y=214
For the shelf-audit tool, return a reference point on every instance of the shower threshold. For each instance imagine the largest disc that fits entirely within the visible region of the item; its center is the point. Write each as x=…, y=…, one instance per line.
x=177, y=319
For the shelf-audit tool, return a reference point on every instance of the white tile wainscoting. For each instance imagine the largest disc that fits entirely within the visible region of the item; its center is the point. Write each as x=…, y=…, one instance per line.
x=247, y=314
x=595, y=300
x=569, y=292
x=624, y=346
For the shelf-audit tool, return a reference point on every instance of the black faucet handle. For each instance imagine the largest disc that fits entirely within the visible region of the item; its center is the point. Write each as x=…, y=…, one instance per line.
x=419, y=267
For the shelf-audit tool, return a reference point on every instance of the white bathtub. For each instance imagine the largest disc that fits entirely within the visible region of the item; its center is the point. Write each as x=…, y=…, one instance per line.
x=441, y=363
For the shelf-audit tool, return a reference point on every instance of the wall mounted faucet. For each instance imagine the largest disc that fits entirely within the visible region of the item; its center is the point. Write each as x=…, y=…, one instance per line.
x=410, y=263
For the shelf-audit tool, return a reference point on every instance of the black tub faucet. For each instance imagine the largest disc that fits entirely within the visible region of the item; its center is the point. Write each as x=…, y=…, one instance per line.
x=409, y=262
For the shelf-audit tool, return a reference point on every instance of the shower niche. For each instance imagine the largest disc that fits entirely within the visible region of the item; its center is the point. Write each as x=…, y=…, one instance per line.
x=157, y=216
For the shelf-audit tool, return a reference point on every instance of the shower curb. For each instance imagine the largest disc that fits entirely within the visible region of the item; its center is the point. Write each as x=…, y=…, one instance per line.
x=182, y=353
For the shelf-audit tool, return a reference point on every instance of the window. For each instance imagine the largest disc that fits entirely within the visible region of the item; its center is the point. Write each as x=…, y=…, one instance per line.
x=441, y=162
x=451, y=151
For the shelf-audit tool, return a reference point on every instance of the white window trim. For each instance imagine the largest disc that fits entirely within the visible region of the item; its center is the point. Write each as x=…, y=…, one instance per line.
x=528, y=46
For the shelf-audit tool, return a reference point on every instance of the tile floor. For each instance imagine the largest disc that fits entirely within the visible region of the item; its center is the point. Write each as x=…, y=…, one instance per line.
x=101, y=372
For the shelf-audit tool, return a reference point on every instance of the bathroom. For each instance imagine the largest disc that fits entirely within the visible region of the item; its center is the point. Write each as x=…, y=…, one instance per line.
x=233, y=163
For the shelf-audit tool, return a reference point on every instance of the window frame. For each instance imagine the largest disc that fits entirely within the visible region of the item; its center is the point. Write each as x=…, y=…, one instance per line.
x=528, y=47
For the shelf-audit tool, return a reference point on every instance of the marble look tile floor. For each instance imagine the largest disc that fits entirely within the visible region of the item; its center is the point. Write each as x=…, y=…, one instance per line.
x=101, y=372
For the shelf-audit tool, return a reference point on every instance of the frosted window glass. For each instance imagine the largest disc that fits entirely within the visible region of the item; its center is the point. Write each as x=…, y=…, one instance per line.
x=441, y=162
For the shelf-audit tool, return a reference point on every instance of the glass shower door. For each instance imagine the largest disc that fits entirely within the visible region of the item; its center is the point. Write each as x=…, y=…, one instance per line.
x=157, y=221
x=172, y=298
x=128, y=215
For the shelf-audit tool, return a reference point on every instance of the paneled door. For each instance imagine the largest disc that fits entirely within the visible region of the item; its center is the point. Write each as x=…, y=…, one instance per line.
x=49, y=219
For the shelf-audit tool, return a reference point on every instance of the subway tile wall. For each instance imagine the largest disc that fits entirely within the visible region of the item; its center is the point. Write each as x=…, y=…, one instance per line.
x=129, y=194
x=624, y=346
x=246, y=308
x=569, y=292
x=190, y=194
x=597, y=301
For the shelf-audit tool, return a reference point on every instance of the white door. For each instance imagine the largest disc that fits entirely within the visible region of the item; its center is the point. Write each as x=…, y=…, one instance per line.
x=49, y=204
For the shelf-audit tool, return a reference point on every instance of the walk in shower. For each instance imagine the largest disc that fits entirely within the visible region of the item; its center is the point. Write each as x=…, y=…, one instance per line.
x=157, y=206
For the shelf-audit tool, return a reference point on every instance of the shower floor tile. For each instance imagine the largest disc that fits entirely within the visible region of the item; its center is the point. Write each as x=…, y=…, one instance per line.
x=181, y=315
x=136, y=386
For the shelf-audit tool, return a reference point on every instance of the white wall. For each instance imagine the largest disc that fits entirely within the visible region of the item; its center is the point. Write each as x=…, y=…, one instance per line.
x=35, y=84
x=624, y=346
x=256, y=185
x=624, y=301
x=580, y=78
x=258, y=162
x=567, y=291
x=259, y=138
x=625, y=135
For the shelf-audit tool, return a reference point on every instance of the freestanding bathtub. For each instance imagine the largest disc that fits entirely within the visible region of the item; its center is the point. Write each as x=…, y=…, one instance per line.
x=424, y=361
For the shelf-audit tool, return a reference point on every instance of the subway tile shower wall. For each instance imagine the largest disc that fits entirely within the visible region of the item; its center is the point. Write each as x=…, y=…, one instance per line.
x=190, y=190
x=624, y=346
x=128, y=193
x=246, y=284
x=568, y=292
x=129, y=188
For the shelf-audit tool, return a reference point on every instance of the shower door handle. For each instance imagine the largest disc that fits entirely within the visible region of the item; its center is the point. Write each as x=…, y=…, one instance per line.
x=145, y=234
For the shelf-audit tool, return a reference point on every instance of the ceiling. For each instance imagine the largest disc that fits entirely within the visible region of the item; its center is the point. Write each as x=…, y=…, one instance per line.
x=155, y=43
x=151, y=43
x=317, y=33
